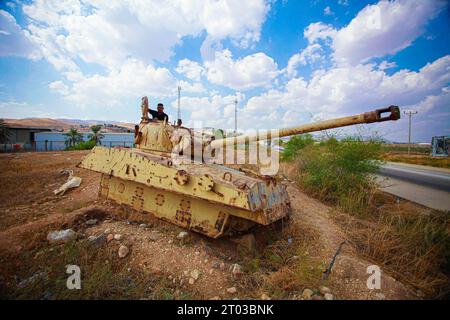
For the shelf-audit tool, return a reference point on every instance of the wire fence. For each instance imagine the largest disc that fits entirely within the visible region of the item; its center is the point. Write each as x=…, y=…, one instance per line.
x=52, y=145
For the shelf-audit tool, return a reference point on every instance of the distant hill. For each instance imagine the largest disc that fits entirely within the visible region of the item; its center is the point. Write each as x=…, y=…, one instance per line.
x=66, y=124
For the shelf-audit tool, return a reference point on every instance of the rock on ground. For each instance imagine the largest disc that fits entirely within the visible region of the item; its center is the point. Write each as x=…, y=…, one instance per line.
x=182, y=235
x=324, y=290
x=307, y=294
x=328, y=296
x=195, y=274
x=232, y=290
x=236, y=270
x=61, y=236
x=123, y=251
x=97, y=240
x=91, y=222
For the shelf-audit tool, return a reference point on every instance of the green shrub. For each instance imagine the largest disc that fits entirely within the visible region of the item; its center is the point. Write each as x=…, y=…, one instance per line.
x=341, y=172
x=295, y=144
x=83, y=145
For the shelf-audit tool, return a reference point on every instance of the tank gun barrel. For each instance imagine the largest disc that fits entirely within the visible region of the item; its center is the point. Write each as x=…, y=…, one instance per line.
x=379, y=115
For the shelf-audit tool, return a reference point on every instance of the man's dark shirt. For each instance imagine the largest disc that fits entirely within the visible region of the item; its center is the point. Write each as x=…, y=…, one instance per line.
x=159, y=115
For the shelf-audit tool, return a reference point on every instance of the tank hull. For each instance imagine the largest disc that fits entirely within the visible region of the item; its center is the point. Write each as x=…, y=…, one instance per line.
x=208, y=199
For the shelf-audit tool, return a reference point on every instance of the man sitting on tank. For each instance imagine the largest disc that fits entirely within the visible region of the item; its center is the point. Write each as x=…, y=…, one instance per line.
x=159, y=114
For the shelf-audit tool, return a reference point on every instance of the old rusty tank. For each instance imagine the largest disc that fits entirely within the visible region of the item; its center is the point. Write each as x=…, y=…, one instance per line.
x=164, y=176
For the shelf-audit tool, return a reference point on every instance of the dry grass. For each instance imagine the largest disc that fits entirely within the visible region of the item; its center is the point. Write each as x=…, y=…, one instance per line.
x=411, y=242
x=420, y=159
x=412, y=245
x=286, y=266
x=103, y=275
x=403, y=148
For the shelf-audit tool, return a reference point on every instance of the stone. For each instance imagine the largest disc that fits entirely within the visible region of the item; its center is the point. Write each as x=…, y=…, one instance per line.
x=328, y=296
x=143, y=226
x=380, y=296
x=222, y=266
x=191, y=281
x=154, y=236
x=97, y=240
x=211, y=271
x=110, y=237
x=316, y=297
x=61, y=236
x=39, y=276
x=118, y=237
x=265, y=297
x=107, y=231
x=232, y=290
x=123, y=251
x=197, y=253
x=307, y=294
x=195, y=274
x=183, y=235
x=91, y=222
x=324, y=290
x=215, y=298
x=236, y=270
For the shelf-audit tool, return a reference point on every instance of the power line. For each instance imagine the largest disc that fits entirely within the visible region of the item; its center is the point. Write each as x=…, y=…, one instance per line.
x=409, y=113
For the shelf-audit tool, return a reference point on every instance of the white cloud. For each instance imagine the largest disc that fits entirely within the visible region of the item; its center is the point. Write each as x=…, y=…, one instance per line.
x=111, y=32
x=327, y=11
x=383, y=28
x=384, y=65
x=318, y=31
x=191, y=69
x=13, y=40
x=207, y=110
x=311, y=54
x=60, y=87
x=191, y=87
x=377, y=30
x=252, y=71
x=351, y=89
x=132, y=79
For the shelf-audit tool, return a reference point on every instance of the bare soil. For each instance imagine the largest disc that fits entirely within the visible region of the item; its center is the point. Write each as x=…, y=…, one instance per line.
x=29, y=210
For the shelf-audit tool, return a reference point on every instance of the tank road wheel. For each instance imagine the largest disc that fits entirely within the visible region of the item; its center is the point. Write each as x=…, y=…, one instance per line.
x=181, y=177
x=206, y=183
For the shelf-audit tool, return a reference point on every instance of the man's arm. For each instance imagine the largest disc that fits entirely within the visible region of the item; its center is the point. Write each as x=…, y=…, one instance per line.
x=153, y=113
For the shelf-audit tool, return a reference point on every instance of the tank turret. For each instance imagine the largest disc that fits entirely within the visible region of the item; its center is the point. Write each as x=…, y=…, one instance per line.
x=161, y=138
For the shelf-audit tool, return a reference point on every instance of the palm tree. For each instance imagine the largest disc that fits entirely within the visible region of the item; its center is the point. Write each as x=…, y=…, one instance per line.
x=73, y=137
x=4, y=132
x=96, y=135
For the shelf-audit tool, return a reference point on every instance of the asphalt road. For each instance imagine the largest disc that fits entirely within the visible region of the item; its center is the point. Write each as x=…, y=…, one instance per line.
x=424, y=185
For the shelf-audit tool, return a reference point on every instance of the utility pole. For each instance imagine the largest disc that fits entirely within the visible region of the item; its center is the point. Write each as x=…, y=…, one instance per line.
x=409, y=113
x=179, y=95
x=235, y=116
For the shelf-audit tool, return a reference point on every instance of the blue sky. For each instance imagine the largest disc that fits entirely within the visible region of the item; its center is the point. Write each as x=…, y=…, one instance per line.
x=287, y=62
